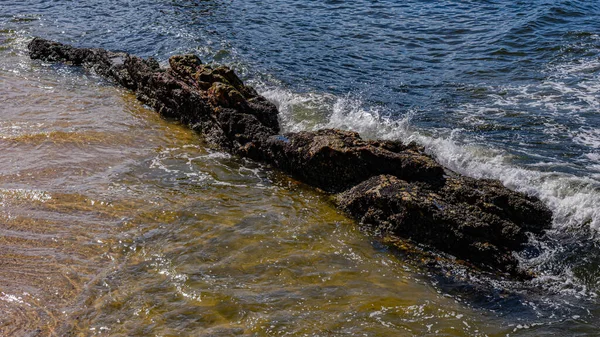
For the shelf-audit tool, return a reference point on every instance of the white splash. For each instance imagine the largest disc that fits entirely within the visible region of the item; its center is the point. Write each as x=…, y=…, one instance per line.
x=574, y=200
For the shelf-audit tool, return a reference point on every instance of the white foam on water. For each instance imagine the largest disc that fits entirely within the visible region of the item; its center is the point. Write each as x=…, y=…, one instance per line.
x=24, y=194
x=588, y=136
x=12, y=298
x=552, y=96
x=299, y=112
x=574, y=200
x=576, y=67
x=320, y=111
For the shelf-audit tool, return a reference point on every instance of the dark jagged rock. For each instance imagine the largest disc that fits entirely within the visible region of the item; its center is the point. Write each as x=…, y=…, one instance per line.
x=335, y=160
x=476, y=220
x=388, y=185
x=211, y=101
x=105, y=63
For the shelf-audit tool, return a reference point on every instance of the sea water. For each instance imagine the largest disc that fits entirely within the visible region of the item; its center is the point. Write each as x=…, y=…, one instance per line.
x=116, y=222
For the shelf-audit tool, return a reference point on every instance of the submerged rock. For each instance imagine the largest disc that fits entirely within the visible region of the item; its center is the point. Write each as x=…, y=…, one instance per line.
x=391, y=186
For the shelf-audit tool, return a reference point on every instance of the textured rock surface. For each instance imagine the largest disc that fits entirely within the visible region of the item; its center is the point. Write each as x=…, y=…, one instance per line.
x=335, y=160
x=475, y=220
x=214, y=102
x=393, y=187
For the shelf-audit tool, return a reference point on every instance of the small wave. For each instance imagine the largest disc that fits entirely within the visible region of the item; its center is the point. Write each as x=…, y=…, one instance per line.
x=194, y=165
x=313, y=111
x=589, y=137
x=573, y=199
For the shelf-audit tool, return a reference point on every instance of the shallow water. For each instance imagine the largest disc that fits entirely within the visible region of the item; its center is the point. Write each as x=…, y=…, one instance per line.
x=116, y=222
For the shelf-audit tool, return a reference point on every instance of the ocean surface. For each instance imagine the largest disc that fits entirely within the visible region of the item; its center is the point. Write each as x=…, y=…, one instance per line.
x=116, y=222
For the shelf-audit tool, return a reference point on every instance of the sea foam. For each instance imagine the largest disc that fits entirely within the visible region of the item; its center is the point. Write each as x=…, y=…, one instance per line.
x=573, y=199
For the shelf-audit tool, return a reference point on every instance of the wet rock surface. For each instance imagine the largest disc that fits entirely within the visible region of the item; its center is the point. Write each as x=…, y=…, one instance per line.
x=335, y=160
x=393, y=187
x=213, y=102
x=476, y=220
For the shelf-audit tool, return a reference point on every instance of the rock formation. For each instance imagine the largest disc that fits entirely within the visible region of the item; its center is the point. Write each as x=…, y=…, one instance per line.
x=391, y=186
x=477, y=220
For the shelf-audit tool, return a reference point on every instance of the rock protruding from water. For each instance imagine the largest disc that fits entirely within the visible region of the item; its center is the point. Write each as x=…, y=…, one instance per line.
x=335, y=160
x=477, y=220
x=388, y=185
x=213, y=102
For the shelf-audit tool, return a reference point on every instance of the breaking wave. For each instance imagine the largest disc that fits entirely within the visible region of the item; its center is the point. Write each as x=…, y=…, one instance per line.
x=574, y=199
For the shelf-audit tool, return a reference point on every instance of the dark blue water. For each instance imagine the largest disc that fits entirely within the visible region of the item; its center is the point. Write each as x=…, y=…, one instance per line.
x=502, y=89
